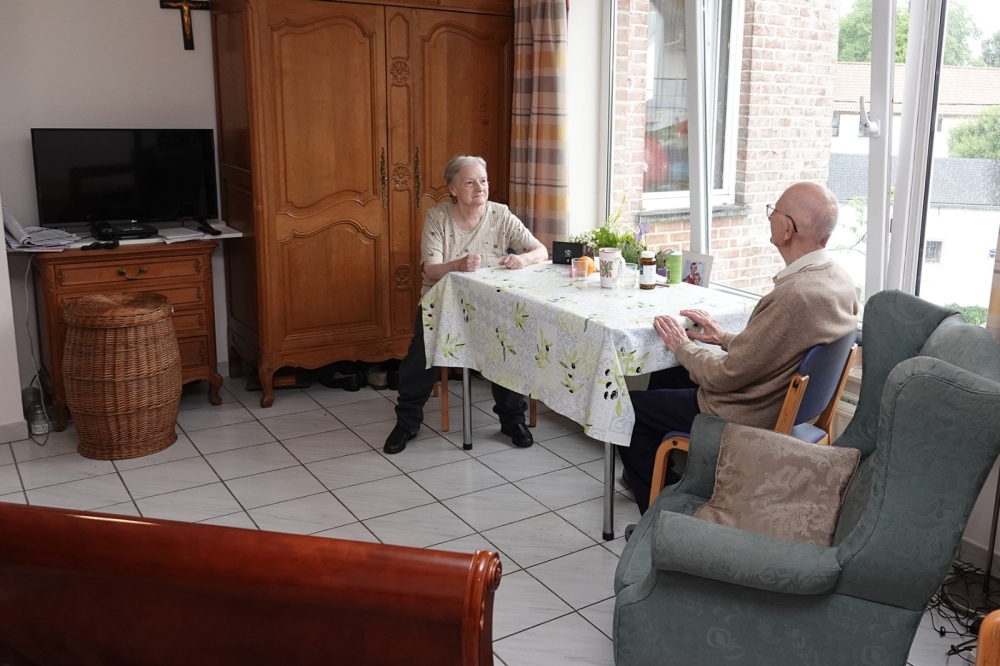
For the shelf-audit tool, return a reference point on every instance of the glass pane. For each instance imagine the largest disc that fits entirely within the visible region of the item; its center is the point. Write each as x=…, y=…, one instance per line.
x=961, y=224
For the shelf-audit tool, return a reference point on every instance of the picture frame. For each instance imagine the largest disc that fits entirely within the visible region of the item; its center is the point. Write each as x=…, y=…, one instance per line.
x=702, y=268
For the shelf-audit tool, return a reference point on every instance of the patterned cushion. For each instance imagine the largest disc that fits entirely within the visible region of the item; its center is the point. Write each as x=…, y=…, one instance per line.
x=779, y=486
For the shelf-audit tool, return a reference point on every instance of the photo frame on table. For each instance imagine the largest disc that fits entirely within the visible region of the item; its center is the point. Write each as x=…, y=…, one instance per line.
x=696, y=268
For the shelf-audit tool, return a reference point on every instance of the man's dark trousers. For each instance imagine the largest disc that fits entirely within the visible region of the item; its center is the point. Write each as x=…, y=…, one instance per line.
x=416, y=381
x=670, y=403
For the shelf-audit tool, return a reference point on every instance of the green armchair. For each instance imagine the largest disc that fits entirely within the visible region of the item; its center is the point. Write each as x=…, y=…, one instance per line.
x=928, y=427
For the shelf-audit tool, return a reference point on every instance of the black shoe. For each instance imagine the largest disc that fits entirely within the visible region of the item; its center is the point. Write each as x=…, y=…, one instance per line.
x=519, y=434
x=397, y=439
x=628, y=531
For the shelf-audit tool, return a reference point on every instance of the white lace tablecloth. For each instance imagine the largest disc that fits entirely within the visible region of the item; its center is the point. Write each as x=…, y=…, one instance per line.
x=569, y=344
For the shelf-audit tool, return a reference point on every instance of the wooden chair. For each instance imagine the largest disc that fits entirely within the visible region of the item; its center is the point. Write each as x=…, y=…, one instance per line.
x=532, y=403
x=87, y=588
x=988, y=647
x=828, y=366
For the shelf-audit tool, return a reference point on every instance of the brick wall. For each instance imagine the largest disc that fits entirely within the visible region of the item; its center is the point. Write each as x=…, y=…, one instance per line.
x=787, y=77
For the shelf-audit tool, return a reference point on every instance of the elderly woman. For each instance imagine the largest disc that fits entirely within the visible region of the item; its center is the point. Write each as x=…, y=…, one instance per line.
x=464, y=234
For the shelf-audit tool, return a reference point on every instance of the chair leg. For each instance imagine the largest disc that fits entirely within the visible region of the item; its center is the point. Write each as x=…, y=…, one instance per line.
x=660, y=463
x=444, y=400
x=532, y=412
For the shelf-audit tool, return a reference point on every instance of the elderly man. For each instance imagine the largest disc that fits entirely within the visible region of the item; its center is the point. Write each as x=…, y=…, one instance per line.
x=813, y=302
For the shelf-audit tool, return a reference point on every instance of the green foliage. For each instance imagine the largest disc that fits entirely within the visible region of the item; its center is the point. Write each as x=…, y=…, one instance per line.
x=977, y=137
x=973, y=314
x=614, y=234
x=991, y=50
x=855, y=42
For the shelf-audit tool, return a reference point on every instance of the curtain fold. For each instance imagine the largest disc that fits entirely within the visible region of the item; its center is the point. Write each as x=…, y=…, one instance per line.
x=538, y=187
x=993, y=316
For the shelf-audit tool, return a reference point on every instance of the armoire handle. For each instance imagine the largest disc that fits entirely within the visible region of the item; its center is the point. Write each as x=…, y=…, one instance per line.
x=416, y=170
x=385, y=200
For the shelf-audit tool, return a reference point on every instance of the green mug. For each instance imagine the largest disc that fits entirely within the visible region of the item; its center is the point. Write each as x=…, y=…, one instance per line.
x=674, y=266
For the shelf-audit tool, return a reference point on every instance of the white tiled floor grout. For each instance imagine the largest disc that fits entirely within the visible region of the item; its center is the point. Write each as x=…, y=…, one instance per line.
x=516, y=645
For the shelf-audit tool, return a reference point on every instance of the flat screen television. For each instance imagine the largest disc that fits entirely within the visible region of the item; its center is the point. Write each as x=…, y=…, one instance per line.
x=149, y=175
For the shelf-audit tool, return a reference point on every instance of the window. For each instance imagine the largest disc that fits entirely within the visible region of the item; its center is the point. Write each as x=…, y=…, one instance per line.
x=836, y=124
x=940, y=123
x=932, y=252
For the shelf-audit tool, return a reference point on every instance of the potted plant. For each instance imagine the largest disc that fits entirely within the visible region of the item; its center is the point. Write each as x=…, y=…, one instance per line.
x=614, y=234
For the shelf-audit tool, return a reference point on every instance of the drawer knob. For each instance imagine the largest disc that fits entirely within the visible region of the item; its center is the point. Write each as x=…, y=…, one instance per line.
x=124, y=273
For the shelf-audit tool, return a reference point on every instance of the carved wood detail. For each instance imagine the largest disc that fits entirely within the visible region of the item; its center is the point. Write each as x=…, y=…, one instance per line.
x=402, y=277
x=399, y=71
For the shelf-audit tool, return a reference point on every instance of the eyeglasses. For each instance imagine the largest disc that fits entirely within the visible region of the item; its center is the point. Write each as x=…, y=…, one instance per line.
x=771, y=210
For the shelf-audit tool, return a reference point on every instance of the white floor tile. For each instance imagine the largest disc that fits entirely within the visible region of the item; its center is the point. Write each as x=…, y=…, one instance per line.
x=361, y=413
x=239, y=519
x=60, y=469
x=227, y=438
x=251, y=460
x=212, y=416
x=616, y=546
x=56, y=444
x=564, y=641
x=179, y=450
x=485, y=440
x=576, y=448
x=327, y=397
x=6, y=455
x=480, y=419
x=84, y=495
x=352, y=532
x=562, y=488
x=601, y=615
x=386, y=496
x=326, y=445
x=551, y=426
x=480, y=389
x=195, y=395
x=420, y=527
x=458, y=478
x=273, y=487
x=539, y=539
x=596, y=470
x=302, y=424
x=14, y=498
x=518, y=464
x=589, y=516
x=353, y=469
x=476, y=541
x=191, y=505
x=122, y=509
x=10, y=481
x=168, y=477
x=289, y=401
x=375, y=433
x=582, y=578
x=522, y=602
x=305, y=515
x=494, y=507
x=429, y=452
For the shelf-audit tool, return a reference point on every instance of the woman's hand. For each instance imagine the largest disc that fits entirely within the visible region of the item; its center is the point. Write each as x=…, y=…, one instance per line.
x=711, y=332
x=513, y=262
x=671, y=332
x=469, y=263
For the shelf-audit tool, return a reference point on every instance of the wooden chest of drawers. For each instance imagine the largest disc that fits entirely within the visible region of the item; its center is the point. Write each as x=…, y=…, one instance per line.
x=181, y=272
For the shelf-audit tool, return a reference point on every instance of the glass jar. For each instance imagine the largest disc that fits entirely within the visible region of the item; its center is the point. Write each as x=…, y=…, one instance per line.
x=647, y=270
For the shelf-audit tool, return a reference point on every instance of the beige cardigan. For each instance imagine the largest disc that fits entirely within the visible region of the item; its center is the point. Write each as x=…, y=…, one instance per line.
x=748, y=381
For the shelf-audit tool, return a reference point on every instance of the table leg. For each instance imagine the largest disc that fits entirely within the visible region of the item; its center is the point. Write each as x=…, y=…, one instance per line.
x=466, y=410
x=609, y=491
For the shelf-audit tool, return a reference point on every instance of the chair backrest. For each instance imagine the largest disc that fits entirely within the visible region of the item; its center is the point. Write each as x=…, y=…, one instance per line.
x=85, y=588
x=824, y=365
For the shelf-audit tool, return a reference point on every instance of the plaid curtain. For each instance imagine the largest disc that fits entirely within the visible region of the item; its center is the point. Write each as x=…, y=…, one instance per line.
x=993, y=317
x=538, y=193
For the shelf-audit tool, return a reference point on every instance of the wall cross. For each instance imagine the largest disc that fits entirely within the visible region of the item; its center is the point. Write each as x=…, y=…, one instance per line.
x=185, y=6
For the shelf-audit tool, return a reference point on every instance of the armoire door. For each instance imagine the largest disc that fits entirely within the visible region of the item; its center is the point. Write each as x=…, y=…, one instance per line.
x=449, y=93
x=325, y=125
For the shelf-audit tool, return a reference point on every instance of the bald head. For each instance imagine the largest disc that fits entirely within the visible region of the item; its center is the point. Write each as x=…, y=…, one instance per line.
x=814, y=209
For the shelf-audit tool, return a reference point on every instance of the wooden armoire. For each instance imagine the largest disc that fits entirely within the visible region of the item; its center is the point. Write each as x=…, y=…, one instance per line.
x=336, y=120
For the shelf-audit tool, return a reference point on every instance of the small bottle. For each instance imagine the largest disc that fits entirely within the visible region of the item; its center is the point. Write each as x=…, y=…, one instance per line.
x=647, y=270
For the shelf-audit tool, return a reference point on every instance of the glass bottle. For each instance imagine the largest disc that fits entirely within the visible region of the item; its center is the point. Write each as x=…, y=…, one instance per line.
x=647, y=270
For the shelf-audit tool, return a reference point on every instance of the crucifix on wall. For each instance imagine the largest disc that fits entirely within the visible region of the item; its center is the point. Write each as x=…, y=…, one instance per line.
x=185, y=6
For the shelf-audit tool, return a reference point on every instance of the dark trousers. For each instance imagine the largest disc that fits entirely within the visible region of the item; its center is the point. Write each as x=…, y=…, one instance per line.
x=670, y=403
x=416, y=381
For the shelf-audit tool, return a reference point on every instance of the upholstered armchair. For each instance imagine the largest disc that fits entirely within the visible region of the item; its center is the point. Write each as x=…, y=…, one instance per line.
x=693, y=592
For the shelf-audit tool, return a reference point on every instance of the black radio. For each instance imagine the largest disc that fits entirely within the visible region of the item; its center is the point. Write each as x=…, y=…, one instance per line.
x=121, y=230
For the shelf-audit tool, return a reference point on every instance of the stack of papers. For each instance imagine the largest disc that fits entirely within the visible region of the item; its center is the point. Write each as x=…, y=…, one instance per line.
x=178, y=234
x=34, y=239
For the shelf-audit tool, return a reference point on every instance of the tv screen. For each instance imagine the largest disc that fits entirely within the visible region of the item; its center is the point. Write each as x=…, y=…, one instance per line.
x=92, y=175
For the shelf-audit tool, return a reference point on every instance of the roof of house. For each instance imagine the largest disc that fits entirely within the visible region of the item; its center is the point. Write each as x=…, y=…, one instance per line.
x=965, y=91
x=965, y=183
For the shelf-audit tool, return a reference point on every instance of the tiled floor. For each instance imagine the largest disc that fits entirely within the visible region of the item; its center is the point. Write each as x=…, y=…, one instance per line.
x=312, y=464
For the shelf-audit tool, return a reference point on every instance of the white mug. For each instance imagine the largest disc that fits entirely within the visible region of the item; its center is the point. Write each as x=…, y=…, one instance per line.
x=611, y=266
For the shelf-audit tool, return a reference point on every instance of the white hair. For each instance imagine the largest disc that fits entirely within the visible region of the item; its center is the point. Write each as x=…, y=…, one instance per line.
x=459, y=162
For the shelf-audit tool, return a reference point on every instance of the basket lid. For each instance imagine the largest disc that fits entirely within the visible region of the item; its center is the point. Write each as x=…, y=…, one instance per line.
x=122, y=309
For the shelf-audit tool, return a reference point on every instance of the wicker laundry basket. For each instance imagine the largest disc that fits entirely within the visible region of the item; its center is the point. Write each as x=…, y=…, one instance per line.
x=122, y=371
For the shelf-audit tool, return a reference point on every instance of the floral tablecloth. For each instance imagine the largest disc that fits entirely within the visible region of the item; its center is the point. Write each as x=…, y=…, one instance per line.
x=567, y=343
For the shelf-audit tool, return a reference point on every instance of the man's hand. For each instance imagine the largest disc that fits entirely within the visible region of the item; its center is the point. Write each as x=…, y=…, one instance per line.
x=513, y=262
x=672, y=333
x=470, y=263
x=711, y=333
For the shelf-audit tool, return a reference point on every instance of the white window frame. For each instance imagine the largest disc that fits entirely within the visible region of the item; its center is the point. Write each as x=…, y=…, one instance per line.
x=681, y=199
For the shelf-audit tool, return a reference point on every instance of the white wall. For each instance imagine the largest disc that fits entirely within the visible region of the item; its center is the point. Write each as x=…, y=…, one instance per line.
x=112, y=63
x=583, y=97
